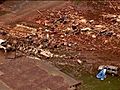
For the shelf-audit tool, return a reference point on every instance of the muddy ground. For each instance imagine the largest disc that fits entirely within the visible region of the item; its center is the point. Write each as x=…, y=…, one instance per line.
x=76, y=36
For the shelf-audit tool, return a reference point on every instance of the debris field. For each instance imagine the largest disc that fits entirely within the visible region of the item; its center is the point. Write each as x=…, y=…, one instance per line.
x=67, y=37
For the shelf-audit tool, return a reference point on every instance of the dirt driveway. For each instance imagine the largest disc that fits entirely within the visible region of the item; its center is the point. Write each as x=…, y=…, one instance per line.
x=20, y=9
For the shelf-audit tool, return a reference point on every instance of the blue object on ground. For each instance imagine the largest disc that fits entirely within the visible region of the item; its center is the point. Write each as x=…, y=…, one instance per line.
x=102, y=74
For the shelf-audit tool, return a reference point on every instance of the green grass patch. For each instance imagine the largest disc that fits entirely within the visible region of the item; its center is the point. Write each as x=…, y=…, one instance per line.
x=90, y=82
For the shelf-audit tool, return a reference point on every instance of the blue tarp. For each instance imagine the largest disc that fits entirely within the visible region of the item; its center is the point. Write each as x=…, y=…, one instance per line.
x=102, y=74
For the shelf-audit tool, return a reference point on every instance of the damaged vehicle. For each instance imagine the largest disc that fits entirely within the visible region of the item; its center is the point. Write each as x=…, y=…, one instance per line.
x=110, y=69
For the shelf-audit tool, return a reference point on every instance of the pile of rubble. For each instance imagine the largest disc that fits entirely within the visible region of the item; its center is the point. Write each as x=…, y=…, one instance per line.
x=66, y=29
x=69, y=27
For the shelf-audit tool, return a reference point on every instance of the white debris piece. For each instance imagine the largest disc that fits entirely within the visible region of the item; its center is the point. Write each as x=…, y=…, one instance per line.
x=23, y=26
x=60, y=56
x=48, y=36
x=1, y=41
x=2, y=47
x=91, y=21
x=46, y=53
x=47, y=30
x=109, y=16
x=118, y=7
x=119, y=16
x=86, y=29
x=83, y=21
x=79, y=61
x=69, y=29
x=89, y=33
x=99, y=26
x=106, y=41
x=93, y=36
x=118, y=35
x=118, y=19
x=56, y=55
x=34, y=58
